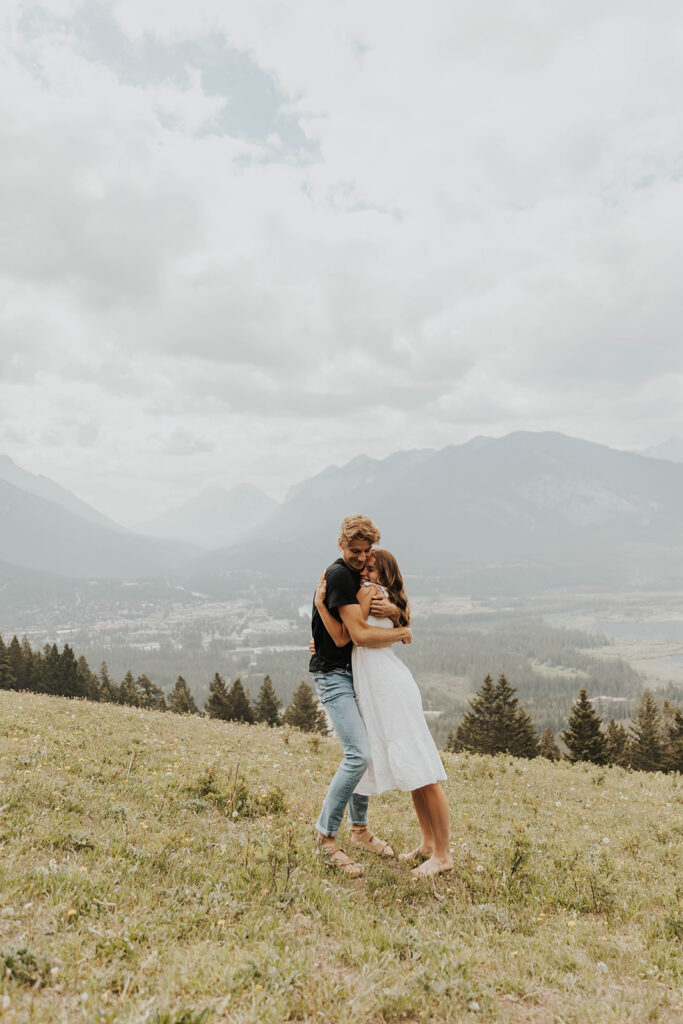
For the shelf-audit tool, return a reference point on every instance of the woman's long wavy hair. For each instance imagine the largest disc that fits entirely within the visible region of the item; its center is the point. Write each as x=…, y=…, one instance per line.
x=390, y=577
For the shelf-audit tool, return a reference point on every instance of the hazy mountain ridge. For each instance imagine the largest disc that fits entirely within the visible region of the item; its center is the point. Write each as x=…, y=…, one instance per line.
x=42, y=487
x=553, y=504
x=214, y=518
x=45, y=536
x=541, y=508
x=671, y=449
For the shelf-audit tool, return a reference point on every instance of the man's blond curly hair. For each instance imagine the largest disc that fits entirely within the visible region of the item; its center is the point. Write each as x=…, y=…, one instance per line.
x=357, y=528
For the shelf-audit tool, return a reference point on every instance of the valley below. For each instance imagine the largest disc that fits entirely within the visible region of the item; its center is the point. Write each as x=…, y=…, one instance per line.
x=549, y=645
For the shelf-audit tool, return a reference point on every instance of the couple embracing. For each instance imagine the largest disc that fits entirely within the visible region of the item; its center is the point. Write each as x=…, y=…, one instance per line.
x=360, y=609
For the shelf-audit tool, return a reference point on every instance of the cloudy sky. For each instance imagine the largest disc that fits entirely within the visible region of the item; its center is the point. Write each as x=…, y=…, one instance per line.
x=242, y=241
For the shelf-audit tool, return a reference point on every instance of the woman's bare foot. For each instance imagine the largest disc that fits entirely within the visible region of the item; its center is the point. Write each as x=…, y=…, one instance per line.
x=417, y=854
x=433, y=866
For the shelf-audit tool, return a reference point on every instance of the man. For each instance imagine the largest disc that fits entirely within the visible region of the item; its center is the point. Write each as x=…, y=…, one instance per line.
x=331, y=668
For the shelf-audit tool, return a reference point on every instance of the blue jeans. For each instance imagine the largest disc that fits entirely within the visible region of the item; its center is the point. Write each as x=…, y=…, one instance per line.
x=336, y=693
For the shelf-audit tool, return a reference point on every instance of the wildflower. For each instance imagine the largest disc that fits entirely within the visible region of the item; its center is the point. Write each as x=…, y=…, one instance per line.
x=606, y=840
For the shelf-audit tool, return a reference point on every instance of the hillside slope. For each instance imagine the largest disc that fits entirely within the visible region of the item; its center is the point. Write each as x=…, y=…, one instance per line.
x=155, y=867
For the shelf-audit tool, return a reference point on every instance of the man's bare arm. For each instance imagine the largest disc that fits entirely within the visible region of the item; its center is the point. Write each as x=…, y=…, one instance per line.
x=383, y=608
x=364, y=635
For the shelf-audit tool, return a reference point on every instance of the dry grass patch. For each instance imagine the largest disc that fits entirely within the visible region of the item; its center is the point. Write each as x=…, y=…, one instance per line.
x=162, y=869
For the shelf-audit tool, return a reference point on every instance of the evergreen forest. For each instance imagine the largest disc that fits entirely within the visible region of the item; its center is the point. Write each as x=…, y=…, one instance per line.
x=495, y=721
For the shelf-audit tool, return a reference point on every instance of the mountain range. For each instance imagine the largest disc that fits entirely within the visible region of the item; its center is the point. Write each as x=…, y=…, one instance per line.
x=672, y=449
x=215, y=518
x=526, y=510
x=544, y=506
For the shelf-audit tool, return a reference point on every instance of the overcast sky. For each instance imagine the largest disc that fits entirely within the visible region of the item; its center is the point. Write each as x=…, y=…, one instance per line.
x=242, y=241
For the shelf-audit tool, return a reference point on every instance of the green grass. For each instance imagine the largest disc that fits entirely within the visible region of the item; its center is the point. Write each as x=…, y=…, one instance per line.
x=162, y=869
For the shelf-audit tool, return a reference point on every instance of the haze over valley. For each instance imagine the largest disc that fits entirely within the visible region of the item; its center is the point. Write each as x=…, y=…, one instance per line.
x=555, y=560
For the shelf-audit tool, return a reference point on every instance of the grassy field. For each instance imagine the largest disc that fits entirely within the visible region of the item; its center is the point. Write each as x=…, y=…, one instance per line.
x=162, y=869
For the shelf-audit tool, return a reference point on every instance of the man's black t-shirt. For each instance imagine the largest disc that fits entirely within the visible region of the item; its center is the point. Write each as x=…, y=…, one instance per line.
x=342, y=587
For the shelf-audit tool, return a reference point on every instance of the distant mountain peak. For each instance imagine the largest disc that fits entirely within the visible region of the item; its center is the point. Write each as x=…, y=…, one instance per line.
x=671, y=449
x=562, y=507
x=42, y=487
x=215, y=517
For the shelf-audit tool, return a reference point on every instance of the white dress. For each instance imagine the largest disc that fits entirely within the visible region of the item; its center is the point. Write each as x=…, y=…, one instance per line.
x=404, y=755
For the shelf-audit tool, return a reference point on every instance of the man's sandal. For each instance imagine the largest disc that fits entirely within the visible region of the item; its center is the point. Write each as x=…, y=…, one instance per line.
x=365, y=840
x=336, y=856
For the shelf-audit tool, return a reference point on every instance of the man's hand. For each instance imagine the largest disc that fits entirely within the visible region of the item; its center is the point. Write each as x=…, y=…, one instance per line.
x=383, y=608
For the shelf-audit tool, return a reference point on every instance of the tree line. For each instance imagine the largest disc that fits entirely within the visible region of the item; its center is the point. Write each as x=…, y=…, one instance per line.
x=496, y=723
x=62, y=674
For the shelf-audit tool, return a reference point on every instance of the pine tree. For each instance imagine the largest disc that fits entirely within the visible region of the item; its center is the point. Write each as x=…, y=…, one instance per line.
x=25, y=664
x=267, y=707
x=49, y=670
x=107, y=687
x=616, y=744
x=477, y=729
x=647, y=748
x=181, y=700
x=673, y=730
x=88, y=684
x=583, y=735
x=239, y=706
x=496, y=723
x=523, y=736
x=21, y=666
x=67, y=682
x=548, y=746
x=7, y=680
x=304, y=712
x=149, y=694
x=128, y=693
x=218, y=704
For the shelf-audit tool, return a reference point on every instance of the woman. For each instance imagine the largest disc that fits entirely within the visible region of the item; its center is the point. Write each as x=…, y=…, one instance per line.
x=404, y=755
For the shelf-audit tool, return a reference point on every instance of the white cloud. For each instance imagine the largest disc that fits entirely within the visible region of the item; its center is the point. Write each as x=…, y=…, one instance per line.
x=270, y=236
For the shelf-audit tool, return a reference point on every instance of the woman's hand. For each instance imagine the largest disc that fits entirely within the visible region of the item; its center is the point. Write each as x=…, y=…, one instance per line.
x=311, y=646
x=408, y=638
x=320, y=591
